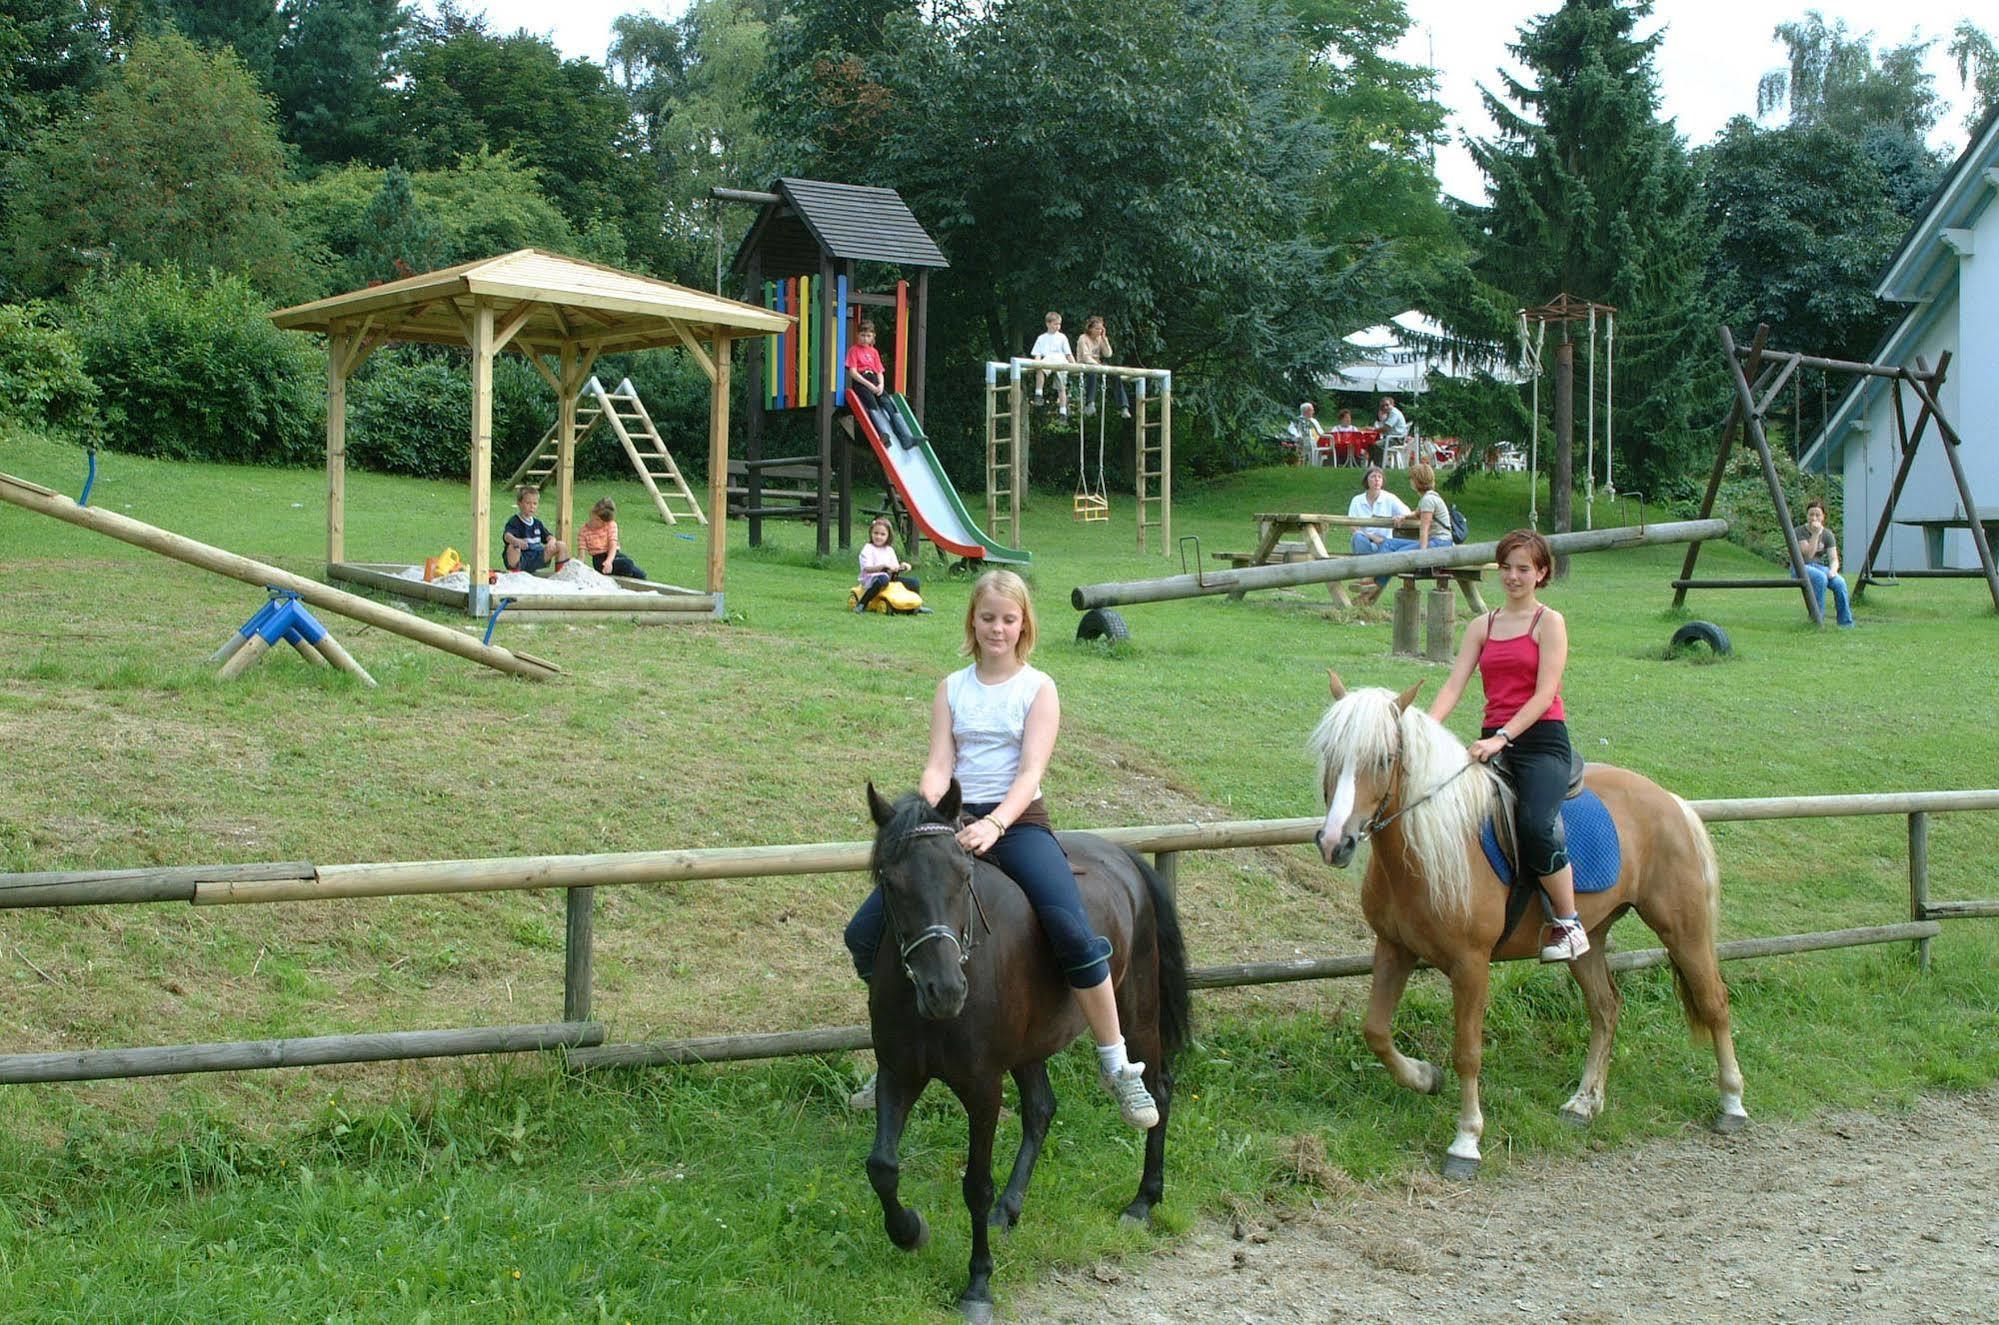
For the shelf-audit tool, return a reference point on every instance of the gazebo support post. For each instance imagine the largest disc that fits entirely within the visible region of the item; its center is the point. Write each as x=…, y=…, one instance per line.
x=568, y=360
x=482, y=458
x=718, y=469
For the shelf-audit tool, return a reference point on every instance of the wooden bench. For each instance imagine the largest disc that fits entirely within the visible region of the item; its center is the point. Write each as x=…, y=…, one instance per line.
x=788, y=491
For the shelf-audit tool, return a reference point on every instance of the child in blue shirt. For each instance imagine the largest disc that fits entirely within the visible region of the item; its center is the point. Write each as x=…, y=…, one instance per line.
x=529, y=546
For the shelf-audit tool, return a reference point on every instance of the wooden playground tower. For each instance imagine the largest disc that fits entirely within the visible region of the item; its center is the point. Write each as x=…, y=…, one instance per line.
x=541, y=306
x=1759, y=374
x=1564, y=311
x=802, y=259
x=1009, y=436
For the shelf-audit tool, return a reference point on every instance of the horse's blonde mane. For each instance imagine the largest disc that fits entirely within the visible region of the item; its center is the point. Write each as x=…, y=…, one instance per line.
x=1363, y=731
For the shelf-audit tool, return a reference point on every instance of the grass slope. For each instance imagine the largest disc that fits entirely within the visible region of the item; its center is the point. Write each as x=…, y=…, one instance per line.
x=511, y=1192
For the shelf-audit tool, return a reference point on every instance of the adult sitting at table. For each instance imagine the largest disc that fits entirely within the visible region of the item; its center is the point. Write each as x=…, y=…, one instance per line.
x=1307, y=432
x=1375, y=502
x=1394, y=426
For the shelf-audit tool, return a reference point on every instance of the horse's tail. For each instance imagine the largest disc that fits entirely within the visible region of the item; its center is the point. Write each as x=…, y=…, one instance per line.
x=1175, y=1004
x=1710, y=867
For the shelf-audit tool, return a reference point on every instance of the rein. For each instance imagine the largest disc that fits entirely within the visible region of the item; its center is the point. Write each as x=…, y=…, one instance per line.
x=965, y=940
x=1376, y=822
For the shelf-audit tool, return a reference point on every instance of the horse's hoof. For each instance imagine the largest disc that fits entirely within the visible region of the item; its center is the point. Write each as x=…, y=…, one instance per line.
x=1459, y=1169
x=976, y=1313
x=1003, y=1219
x=915, y=1241
x=1576, y=1118
x=1433, y=1079
x=1136, y=1215
x=1728, y=1124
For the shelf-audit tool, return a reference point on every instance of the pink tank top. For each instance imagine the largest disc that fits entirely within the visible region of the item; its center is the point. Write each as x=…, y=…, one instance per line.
x=1510, y=669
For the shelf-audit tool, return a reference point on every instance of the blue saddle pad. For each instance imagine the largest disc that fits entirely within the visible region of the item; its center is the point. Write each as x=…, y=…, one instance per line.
x=1592, y=843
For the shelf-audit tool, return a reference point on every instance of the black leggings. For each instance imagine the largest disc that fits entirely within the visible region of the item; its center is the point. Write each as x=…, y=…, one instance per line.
x=1538, y=762
x=877, y=582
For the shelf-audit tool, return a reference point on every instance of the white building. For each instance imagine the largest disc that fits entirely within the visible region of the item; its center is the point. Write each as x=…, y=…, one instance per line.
x=1947, y=272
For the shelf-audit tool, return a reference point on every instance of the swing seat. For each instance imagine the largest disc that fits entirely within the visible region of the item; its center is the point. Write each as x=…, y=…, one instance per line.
x=1090, y=508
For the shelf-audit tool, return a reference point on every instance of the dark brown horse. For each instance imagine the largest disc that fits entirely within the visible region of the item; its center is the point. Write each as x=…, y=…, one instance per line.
x=1391, y=772
x=975, y=993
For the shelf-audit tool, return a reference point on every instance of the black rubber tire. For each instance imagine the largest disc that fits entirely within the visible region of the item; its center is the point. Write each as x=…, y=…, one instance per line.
x=1702, y=632
x=1102, y=623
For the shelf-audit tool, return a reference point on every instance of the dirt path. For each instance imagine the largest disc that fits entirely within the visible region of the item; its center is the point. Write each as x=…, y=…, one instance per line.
x=1858, y=1217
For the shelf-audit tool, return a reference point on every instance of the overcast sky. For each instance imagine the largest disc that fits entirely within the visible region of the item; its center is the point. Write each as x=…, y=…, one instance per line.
x=1714, y=52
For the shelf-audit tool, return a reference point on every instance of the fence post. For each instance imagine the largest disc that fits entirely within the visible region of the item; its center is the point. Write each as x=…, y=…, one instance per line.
x=1167, y=863
x=580, y=905
x=1919, y=879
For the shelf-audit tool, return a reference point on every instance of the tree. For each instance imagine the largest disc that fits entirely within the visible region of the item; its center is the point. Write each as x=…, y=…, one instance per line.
x=1592, y=194
x=175, y=159
x=466, y=91
x=398, y=238
x=331, y=78
x=691, y=85
x=1167, y=187
x=251, y=28
x=1835, y=78
x=1978, y=68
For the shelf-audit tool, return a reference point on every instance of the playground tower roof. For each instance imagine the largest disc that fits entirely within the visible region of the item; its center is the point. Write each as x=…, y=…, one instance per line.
x=848, y=222
x=556, y=299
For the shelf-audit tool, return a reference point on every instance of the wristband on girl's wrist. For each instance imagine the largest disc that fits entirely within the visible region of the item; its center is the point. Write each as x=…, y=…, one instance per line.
x=1504, y=735
x=994, y=820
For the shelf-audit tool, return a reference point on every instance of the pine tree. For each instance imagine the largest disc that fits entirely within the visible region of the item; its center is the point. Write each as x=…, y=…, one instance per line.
x=1593, y=194
x=331, y=78
x=399, y=239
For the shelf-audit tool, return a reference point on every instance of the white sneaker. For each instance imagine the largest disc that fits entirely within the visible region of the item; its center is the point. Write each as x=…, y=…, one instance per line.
x=1564, y=941
x=1134, y=1101
x=864, y=1098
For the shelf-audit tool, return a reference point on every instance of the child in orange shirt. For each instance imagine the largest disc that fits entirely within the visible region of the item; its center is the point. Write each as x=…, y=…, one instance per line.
x=598, y=540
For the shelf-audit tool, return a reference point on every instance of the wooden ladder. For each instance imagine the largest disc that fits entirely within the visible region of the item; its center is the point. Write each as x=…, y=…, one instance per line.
x=650, y=459
x=1003, y=401
x=644, y=447
x=1151, y=484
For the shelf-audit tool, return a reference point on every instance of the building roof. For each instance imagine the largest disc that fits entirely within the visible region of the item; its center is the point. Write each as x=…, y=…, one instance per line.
x=1923, y=269
x=559, y=299
x=848, y=222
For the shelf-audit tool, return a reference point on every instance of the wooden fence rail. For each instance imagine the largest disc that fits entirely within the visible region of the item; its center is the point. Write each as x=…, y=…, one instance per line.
x=580, y=875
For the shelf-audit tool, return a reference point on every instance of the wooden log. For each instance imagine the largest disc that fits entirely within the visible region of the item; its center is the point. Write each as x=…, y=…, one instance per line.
x=578, y=937
x=1742, y=949
x=228, y=650
x=1170, y=587
x=254, y=647
x=1835, y=807
x=377, y=575
x=113, y=887
x=41, y=500
x=1919, y=880
x=310, y=652
x=1270, y=973
x=538, y=616
x=1961, y=910
x=613, y=602
x=725, y=1048
x=311, y=1051
x=1405, y=641
x=1439, y=623
x=337, y=654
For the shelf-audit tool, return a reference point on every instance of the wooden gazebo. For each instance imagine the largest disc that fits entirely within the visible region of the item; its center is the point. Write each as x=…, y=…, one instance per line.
x=551, y=310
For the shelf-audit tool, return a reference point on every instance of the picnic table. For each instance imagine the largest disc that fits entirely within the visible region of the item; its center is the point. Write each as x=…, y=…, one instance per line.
x=1311, y=528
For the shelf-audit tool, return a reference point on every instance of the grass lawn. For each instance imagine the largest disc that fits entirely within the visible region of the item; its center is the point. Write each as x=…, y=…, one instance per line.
x=511, y=1191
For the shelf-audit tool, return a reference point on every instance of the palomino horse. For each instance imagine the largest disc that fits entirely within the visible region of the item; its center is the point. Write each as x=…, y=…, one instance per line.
x=976, y=994
x=1392, y=773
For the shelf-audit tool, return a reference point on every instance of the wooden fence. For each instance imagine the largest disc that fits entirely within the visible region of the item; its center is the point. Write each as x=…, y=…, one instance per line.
x=581, y=875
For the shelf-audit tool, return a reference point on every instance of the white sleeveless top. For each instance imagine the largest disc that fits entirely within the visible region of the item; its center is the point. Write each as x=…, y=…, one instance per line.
x=987, y=723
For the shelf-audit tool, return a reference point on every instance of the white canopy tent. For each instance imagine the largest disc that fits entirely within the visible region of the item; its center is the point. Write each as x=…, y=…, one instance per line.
x=1399, y=357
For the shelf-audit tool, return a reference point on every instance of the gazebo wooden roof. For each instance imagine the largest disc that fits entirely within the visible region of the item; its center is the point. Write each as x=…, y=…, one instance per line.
x=537, y=304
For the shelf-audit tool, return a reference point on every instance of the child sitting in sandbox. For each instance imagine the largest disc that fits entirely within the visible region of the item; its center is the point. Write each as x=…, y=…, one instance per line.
x=598, y=541
x=529, y=546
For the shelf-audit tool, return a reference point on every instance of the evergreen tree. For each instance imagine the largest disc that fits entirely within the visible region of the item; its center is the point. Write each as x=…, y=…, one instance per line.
x=398, y=238
x=249, y=27
x=331, y=78
x=1592, y=194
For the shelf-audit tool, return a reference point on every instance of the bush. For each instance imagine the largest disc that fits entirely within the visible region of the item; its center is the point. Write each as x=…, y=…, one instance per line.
x=1744, y=499
x=409, y=411
x=192, y=369
x=42, y=381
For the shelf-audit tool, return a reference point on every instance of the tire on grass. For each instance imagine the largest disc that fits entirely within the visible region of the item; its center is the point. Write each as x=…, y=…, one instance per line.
x=1102, y=623
x=1701, y=632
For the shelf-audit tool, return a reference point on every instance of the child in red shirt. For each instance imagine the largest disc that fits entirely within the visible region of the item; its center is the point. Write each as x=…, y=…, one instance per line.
x=598, y=540
x=867, y=383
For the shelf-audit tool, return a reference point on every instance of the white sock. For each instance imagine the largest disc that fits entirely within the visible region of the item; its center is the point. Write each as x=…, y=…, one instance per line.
x=1111, y=1057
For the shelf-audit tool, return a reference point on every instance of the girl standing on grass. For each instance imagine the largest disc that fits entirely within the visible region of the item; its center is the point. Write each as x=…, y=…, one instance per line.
x=992, y=729
x=1520, y=651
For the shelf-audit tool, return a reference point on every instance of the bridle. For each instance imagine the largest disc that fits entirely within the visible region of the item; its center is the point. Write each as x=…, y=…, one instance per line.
x=1377, y=821
x=965, y=940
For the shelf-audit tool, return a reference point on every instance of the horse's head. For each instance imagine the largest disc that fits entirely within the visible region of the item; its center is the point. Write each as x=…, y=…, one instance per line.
x=926, y=883
x=1357, y=743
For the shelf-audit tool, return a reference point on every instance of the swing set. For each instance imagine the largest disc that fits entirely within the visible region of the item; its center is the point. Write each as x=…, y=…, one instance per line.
x=1600, y=325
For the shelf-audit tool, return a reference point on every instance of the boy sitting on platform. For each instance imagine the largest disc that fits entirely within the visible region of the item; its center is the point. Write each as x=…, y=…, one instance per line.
x=529, y=546
x=598, y=540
